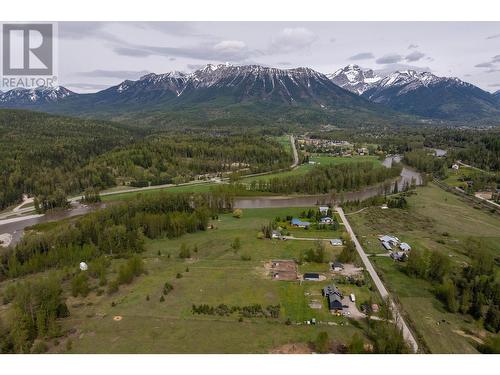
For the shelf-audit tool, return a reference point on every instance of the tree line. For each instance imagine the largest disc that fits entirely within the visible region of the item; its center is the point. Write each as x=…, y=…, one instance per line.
x=472, y=289
x=117, y=230
x=50, y=157
x=323, y=179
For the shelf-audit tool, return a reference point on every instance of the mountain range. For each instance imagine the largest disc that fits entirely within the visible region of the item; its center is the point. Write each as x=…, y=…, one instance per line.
x=351, y=95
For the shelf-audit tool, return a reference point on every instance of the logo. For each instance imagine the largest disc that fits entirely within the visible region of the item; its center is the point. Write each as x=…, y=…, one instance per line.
x=28, y=55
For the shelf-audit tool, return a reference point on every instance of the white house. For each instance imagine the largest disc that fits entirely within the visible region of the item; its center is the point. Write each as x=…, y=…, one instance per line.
x=404, y=246
x=336, y=242
x=394, y=241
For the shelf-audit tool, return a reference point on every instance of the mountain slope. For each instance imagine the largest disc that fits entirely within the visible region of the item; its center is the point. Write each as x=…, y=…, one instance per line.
x=226, y=93
x=420, y=93
x=424, y=94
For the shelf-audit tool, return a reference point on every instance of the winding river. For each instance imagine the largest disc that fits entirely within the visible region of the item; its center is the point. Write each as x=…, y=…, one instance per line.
x=16, y=226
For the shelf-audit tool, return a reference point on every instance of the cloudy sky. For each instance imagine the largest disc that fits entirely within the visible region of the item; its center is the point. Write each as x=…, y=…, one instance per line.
x=93, y=56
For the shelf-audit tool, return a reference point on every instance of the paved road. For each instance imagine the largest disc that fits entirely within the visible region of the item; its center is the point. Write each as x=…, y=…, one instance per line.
x=378, y=283
x=295, y=153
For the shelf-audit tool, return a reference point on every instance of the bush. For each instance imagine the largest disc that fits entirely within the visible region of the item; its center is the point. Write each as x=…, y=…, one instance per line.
x=39, y=347
x=80, y=285
x=238, y=213
x=178, y=276
x=236, y=244
x=322, y=343
x=184, y=252
x=246, y=257
x=113, y=287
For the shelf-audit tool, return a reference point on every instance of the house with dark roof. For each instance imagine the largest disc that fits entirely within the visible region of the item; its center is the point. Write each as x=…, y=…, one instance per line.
x=334, y=302
x=334, y=297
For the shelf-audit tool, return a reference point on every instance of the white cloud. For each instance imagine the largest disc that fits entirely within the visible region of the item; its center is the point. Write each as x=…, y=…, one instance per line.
x=230, y=45
x=292, y=39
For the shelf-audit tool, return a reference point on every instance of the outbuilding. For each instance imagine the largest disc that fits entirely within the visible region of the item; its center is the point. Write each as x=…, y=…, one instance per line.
x=337, y=266
x=311, y=276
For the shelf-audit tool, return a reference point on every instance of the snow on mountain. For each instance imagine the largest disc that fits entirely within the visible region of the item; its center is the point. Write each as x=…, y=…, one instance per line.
x=38, y=95
x=242, y=82
x=355, y=79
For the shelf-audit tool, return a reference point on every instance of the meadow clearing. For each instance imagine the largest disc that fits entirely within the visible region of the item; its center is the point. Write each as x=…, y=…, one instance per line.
x=436, y=221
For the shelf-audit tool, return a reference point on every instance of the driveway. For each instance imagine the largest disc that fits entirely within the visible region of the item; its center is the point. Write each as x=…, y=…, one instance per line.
x=407, y=334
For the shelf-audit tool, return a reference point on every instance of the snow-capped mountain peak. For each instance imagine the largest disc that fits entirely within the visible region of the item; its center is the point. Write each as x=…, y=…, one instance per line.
x=354, y=78
x=37, y=95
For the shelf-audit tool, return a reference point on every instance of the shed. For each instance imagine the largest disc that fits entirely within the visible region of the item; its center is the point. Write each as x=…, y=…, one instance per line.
x=326, y=220
x=311, y=276
x=84, y=266
x=336, y=242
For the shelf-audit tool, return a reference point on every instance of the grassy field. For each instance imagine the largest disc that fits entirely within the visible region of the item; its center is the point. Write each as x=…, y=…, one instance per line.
x=215, y=274
x=453, y=176
x=437, y=221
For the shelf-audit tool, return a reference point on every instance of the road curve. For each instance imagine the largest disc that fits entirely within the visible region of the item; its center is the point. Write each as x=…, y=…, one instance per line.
x=295, y=152
x=378, y=283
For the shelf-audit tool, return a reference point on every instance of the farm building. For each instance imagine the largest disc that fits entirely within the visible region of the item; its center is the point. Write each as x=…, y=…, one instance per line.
x=299, y=223
x=311, y=276
x=391, y=240
x=326, y=220
x=336, y=242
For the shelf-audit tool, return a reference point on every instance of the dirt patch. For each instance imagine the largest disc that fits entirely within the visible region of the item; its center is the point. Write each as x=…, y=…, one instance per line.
x=463, y=334
x=350, y=270
x=315, y=304
x=117, y=318
x=295, y=348
x=5, y=239
x=282, y=269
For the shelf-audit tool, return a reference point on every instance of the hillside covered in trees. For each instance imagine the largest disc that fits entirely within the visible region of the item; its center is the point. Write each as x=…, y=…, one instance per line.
x=50, y=157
